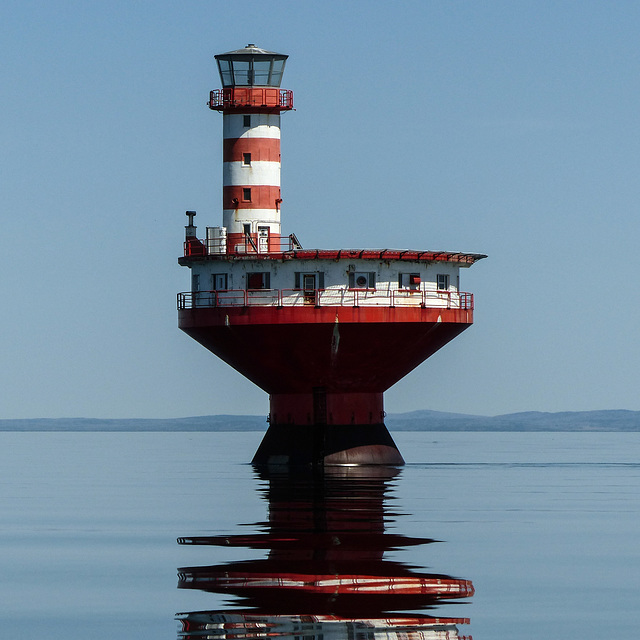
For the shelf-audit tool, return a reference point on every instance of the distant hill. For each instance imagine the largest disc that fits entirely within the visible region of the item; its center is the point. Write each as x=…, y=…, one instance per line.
x=607, y=420
x=196, y=423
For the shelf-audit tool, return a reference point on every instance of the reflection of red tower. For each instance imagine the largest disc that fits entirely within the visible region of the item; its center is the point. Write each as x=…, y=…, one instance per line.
x=324, y=332
x=326, y=542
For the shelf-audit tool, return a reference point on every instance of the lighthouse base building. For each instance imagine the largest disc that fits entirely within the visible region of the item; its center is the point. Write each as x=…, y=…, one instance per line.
x=323, y=332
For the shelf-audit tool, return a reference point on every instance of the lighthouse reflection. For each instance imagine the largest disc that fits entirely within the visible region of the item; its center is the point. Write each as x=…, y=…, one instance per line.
x=325, y=571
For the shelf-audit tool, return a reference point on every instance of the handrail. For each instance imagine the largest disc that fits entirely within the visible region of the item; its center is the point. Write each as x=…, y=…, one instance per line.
x=245, y=246
x=332, y=297
x=271, y=97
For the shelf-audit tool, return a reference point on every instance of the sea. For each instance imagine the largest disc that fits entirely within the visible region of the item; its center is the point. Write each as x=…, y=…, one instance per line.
x=175, y=535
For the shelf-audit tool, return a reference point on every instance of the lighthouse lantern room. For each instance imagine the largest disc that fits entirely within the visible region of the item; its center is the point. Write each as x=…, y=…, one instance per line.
x=323, y=331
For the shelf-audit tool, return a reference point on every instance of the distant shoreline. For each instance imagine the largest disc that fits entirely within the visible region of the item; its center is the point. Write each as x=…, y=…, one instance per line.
x=614, y=420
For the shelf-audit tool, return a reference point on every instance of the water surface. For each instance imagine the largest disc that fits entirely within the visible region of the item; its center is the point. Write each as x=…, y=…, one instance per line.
x=544, y=525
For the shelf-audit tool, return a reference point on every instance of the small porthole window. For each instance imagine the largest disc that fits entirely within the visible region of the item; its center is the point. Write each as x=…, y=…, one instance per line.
x=246, y=194
x=246, y=159
x=246, y=121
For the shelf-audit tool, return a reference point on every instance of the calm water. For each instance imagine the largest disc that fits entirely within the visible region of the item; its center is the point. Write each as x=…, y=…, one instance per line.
x=545, y=526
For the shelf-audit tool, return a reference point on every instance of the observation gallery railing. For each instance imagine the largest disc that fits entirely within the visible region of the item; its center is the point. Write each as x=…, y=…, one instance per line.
x=270, y=97
x=338, y=297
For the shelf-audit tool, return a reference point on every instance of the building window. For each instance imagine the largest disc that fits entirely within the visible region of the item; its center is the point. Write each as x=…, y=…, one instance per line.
x=246, y=194
x=246, y=121
x=195, y=282
x=443, y=282
x=301, y=280
x=259, y=280
x=409, y=281
x=219, y=282
x=362, y=280
x=246, y=228
x=246, y=159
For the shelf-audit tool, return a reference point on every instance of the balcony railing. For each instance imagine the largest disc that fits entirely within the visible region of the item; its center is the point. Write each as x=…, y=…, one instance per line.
x=325, y=298
x=261, y=97
x=246, y=245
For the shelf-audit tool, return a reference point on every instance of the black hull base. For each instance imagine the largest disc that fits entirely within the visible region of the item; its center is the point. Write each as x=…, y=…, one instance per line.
x=325, y=445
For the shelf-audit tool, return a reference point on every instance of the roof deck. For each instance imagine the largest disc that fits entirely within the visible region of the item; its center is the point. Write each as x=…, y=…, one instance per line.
x=288, y=249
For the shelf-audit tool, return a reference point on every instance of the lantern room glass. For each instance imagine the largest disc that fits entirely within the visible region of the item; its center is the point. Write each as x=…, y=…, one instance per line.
x=253, y=70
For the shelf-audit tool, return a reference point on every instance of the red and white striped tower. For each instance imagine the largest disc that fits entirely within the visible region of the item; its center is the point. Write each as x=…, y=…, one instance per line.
x=251, y=101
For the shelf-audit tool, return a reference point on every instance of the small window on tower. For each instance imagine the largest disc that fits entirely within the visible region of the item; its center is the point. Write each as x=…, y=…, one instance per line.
x=246, y=194
x=246, y=121
x=246, y=159
x=443, y=282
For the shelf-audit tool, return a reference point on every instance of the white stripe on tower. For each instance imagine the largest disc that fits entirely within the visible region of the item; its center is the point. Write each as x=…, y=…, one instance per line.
x=251, y=172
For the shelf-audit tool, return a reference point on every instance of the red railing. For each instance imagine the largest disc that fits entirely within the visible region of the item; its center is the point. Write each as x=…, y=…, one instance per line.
x=325, y=298
x=249, y=244
x=268, y=97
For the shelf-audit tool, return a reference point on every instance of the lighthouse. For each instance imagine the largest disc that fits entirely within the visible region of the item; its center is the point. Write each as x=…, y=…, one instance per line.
x=323, y=331
x=251, y=102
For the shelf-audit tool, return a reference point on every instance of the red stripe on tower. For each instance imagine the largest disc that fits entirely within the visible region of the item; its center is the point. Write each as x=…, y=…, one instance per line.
x=241, y=198
x=235, y=149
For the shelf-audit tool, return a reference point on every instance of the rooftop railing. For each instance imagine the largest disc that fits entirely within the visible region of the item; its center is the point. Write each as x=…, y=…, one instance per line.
x=338, y=297
x=248, y=245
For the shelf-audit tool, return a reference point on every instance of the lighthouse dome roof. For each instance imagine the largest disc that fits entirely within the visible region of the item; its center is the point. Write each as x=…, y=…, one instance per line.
x=251, y=50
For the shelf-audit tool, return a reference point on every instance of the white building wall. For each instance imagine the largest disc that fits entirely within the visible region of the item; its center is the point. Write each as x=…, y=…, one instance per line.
x=336, y=273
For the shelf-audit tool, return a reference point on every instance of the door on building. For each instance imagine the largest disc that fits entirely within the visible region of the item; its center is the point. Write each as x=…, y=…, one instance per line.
x=263, y=239
x=218, y=283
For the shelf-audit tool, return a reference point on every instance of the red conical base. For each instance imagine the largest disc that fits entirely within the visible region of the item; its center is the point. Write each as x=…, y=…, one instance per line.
x=326, y=369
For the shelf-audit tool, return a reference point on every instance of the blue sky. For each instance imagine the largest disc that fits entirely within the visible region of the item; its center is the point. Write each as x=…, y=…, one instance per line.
x=505, y=128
